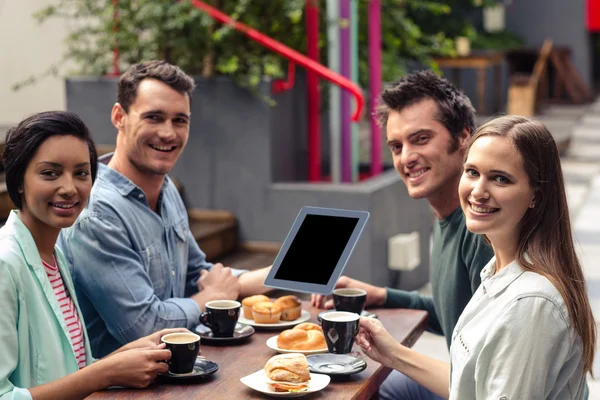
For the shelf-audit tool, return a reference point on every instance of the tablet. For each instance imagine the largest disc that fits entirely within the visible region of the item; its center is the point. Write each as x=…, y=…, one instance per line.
x=316, y=250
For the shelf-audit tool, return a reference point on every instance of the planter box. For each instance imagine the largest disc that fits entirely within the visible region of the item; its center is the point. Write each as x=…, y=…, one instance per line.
x=250, y=158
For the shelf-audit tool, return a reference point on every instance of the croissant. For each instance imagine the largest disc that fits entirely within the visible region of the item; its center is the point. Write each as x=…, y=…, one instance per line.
x=299, y=339
x=309, y=326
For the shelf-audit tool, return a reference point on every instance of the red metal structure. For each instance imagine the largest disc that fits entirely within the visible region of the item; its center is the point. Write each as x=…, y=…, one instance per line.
x=593, y=15
x=313, y=67
x=313, y=95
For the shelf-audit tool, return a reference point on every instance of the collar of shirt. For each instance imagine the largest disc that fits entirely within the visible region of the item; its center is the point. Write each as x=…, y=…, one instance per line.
x=122, y=184
x=494, y=283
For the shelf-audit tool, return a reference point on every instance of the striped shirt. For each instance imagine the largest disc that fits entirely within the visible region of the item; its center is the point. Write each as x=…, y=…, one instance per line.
x=69, y=312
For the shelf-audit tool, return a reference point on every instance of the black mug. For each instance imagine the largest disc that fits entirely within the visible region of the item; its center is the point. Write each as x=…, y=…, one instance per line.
x=351, y=300
x=184, y=347
x=340, y=329
x=221, y=316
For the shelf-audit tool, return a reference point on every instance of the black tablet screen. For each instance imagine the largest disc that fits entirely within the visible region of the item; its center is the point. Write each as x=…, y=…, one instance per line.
x=316, y=249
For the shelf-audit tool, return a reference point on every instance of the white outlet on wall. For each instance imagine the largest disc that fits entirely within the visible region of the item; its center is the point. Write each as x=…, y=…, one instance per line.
x=404, y=251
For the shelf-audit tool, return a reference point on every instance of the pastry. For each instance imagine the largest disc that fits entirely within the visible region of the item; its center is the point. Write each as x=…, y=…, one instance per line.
x=299, y=339
x=291, y=307
x=266, y=313
x=248, y=302
x=287, y=372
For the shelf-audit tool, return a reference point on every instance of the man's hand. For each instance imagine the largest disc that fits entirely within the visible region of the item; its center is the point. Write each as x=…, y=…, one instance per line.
x=217, y=284
x=376, y=295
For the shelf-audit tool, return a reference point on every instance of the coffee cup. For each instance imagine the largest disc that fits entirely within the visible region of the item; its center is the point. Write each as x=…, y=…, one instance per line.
x=340, y=329
x=221, y=316
x=350, y=299
x=184, y=347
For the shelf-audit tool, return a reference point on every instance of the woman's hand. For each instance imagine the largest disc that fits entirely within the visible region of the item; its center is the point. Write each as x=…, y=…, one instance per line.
x=135, y=368
x=376, y=342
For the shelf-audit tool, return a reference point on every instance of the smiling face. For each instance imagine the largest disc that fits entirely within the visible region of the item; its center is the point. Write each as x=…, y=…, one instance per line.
x=422, y=151
x=494, y=189
x=56, y=184
x=154, y=132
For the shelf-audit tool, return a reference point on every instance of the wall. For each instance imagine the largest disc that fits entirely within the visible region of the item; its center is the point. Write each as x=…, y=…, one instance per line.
x=29, y=48
x=560, y=20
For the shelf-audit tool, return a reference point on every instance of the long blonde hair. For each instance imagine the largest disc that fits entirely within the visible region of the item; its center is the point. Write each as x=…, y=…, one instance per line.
x=545, y=234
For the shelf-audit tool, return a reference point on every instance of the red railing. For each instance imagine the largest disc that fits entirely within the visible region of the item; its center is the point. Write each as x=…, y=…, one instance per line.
x=289, y=53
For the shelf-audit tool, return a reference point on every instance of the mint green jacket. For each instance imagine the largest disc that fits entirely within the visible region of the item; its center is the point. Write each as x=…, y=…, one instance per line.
x=35, y=346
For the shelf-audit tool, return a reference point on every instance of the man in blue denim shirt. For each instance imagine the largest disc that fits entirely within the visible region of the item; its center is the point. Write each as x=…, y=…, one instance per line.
x=135, y=264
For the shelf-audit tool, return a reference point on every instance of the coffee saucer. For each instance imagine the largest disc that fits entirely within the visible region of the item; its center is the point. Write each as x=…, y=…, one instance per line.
x=241, y=333
x=364, y=313
x=335, y=364
x=202, y=368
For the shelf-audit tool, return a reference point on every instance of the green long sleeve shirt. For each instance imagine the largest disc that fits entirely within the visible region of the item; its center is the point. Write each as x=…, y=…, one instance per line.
x=457, y=258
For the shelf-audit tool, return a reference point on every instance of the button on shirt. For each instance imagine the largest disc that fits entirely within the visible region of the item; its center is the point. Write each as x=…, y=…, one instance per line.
x=514, y=340
x=133, y=269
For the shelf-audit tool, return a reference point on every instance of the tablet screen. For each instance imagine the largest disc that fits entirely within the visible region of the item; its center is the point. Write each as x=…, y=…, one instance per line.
x=316, y=249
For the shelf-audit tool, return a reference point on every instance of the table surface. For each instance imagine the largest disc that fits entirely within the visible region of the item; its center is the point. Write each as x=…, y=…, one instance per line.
x=237, y=361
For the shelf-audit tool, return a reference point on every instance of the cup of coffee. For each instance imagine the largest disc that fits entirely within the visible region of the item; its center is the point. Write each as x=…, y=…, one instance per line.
x=221, y=317
x=184, y=347
x=340, y=329
x=351, y=300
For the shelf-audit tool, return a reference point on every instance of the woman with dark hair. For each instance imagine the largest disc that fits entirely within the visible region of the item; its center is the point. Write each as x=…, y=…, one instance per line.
x=528, y=332
x=50, y=164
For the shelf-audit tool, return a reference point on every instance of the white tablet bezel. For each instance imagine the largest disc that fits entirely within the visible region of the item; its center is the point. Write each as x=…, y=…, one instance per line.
x=306, y=287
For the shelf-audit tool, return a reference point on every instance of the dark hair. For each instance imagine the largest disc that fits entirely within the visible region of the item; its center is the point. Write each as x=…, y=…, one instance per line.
x=454, y=109
x=545, y=240
x=23, y=140
x=160, y=70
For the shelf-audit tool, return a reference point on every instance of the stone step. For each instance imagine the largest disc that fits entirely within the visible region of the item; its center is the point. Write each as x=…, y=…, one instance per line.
x=215, y=231
x=251, y=255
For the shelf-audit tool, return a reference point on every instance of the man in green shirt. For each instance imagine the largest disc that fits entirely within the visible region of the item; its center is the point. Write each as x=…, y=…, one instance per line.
x=428, y=123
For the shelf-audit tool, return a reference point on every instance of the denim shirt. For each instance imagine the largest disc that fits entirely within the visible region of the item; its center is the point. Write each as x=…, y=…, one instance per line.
x=133, y=269
x=35, y=345
x=515, y=340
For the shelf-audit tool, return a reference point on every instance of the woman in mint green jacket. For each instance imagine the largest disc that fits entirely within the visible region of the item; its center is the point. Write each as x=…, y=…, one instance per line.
x=50, y=164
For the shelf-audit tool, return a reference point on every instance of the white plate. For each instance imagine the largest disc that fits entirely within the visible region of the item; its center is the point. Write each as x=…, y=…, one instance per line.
x=272, y=343
x=257, y=381
x=304, y=316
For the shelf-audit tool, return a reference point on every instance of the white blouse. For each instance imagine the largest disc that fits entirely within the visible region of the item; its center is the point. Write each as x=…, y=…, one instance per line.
x=514, y=340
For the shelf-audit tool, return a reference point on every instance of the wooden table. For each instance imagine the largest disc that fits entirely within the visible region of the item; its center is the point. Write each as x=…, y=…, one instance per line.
x=238, y=361
x=479, y=60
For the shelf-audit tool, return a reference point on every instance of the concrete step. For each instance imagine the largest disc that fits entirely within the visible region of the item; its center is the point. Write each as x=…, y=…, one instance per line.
x=215, y=231
x=251, y=255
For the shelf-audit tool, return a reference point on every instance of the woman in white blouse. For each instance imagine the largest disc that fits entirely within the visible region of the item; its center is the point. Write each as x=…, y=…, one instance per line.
x=528, y=332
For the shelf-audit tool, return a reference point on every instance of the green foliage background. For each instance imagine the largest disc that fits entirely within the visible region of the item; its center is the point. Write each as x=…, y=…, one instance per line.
x=181, y=34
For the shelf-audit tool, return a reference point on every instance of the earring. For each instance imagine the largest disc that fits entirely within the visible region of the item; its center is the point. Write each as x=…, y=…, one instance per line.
x=532, y=205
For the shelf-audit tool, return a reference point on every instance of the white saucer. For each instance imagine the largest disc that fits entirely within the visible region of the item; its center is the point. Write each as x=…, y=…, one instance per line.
x=257, y=382
x=272, y=343
x=304, y=316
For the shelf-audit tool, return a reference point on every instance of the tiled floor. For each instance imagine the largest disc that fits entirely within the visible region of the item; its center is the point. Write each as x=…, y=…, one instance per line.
x=581, y=170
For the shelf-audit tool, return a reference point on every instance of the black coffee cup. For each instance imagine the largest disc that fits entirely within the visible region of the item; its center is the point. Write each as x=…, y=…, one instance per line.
x=349, y=299
x=221, y=317
x=184, y=347
x=340, y=329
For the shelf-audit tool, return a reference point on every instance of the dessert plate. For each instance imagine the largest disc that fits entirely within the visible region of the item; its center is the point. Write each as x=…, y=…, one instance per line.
x=364, y=313
x=272, y=343
x=304, y=316
x=257, y=381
